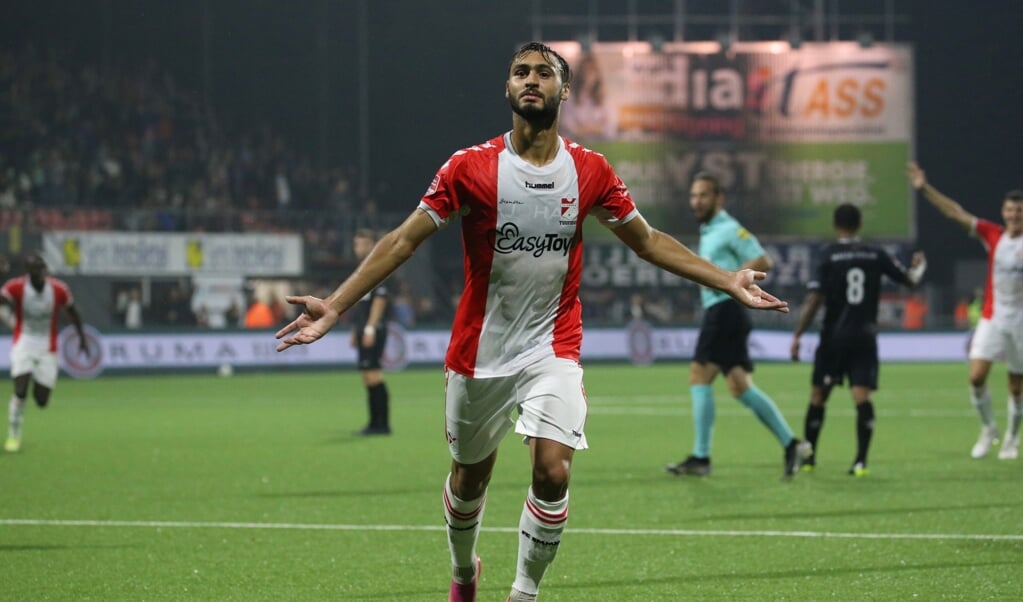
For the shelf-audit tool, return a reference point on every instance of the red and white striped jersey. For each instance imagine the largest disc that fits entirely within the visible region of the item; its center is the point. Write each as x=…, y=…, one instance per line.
x=1003, y=292
x=35, y=312
x=522, y=240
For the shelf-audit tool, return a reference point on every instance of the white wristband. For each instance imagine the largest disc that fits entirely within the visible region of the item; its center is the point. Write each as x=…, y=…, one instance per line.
x=916, y=273
x=369, y=330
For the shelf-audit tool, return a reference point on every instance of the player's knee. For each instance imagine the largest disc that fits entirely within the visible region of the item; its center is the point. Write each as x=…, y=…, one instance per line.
x=470, y=481
x=42, y=398
x=550, y=480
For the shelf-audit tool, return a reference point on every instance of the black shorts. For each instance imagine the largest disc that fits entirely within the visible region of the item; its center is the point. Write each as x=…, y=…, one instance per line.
x=724, y=337
x=369, y=357
x=838, y=358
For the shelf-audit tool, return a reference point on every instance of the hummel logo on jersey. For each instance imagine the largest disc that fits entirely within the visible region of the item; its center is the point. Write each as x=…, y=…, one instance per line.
x=507, y=239
x=540, y=186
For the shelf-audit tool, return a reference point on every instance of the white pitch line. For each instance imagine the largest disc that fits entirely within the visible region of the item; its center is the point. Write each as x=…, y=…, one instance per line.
x=639, y=410
x=33, y=522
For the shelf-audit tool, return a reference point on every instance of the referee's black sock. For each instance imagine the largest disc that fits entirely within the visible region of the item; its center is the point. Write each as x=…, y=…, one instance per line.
x=813, y=425
x=864, y=430
x=379, y=400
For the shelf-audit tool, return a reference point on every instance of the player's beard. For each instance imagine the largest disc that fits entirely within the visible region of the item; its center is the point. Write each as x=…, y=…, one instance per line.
x=542, y=116
x=702, y=216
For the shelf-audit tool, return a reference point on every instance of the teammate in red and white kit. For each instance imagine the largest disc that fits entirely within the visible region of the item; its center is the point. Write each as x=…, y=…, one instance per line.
x=1000, y=330
x=35, y=299
x=514, y=349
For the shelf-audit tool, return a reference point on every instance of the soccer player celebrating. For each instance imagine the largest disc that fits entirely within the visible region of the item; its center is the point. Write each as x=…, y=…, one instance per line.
x=514, y=351
x=1000, y=329
x=35, y=300
x=848, y=283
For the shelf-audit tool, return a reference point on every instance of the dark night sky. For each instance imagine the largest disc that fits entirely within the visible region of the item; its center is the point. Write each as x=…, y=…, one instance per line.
x=437, y=75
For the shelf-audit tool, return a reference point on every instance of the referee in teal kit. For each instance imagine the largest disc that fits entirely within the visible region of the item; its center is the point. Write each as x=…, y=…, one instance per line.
x=722, y=347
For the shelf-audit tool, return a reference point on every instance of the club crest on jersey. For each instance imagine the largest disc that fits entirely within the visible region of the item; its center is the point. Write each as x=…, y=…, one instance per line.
x=569, y=211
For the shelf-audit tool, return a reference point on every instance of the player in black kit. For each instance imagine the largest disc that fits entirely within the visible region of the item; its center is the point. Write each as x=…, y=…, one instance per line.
x=848, y=282
x=369, y=335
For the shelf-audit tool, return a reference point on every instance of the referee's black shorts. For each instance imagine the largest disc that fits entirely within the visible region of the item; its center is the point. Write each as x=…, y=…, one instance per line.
x=838, y=358
x=724, y=336
x=369, y=357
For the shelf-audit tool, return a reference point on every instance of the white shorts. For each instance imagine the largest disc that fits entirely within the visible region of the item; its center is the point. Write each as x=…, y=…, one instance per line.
x=42, y=365
x=992, y=342
x=548, y=397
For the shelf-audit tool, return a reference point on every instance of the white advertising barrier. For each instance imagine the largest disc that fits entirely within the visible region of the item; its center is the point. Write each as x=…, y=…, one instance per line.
x=172, y=254
x=638, y=343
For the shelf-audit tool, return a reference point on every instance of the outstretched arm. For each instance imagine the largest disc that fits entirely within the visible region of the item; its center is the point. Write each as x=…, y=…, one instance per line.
x=76, y=321
x=394, y=249
x=948, y=207
x=669, y=254
x=810, y=307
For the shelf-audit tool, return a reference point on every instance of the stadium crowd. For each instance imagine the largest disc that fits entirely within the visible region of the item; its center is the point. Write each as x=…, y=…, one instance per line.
x=133, y=140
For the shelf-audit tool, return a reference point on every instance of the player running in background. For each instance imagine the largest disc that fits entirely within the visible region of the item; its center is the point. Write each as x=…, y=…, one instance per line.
x=722, y=347
x=35, y=299
x=513, y=359
x=1000, y=330
x=369, y=336
x=848, y=283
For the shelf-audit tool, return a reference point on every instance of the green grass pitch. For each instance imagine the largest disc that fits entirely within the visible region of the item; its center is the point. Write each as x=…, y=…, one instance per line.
x=253, y=488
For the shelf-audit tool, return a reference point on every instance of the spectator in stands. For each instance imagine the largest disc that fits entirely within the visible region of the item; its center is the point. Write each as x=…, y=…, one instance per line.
x=961, y=314
x=914, y=313
x=403, y=305
x=233, y=315
x=973, y=313
x=177, y=309
x=259, y=314
x=129, y=305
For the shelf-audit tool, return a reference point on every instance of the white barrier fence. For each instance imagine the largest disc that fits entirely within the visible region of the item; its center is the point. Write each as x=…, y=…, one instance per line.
x=638, y=343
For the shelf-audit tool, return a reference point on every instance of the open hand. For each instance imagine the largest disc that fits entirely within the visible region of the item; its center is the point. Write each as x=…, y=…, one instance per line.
x=316, y=320
x=746, y=291
x=917, y=177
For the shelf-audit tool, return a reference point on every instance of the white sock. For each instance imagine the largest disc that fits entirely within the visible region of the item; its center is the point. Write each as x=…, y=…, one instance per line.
x=540, y=529
x=517, y=596
x=981, y=398
x=464, y=519
x=1015, y=415
x=15, y=414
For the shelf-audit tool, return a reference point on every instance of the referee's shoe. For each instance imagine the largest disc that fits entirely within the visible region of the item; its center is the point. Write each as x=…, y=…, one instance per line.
x=796, y=452
x=692, y=466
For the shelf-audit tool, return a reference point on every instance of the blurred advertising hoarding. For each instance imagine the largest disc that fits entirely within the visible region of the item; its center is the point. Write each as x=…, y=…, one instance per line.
x=639, y=342
x=143, y=254
x=791, y=133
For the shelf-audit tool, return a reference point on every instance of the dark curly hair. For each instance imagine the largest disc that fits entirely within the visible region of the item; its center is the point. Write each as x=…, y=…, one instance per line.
x=548, y=55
